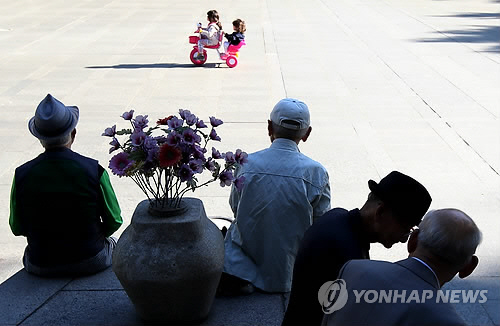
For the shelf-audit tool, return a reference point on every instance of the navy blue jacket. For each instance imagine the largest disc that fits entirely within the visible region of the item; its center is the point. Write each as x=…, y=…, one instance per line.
x=235, y=38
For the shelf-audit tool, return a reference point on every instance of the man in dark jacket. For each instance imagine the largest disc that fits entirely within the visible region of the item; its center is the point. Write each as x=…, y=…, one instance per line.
x=443, y=246
x=63, y=202
x=395, y=205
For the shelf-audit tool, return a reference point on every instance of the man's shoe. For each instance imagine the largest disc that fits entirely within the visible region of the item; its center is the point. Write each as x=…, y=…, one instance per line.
x=246, y=289
x=230, y=285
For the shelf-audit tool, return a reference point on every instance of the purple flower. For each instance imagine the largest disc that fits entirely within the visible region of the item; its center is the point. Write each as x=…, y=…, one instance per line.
x=210, y=165
x=199, y=153
x=190, y=118
x=190, y=137
x=216, y=154
x=201, y=124
x=160, y=140
x=239, y=182
x=229, y=157
x=151, y=147
x=175, y=123
x=119, y=164
x=241, y=157
x=185, y=173
x=115, y=145
x=128, y=115
x=196, y=166
x=182, y=113
x=215, y=122
x=109, y=132
x=226, y=178
x=150, y=143
x=137, y=138
x=173, y=138
x=213, y=135
x=152, y=153
x=140, y=122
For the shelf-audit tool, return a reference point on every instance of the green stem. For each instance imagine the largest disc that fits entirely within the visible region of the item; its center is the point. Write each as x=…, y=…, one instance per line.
x=135, y=179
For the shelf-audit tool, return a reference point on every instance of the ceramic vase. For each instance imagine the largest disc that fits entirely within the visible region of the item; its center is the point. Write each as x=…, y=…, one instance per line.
x=170, y=267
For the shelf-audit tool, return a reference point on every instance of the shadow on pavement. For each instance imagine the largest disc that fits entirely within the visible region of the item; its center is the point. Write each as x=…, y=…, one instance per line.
x=475, y=34
x=158, y=65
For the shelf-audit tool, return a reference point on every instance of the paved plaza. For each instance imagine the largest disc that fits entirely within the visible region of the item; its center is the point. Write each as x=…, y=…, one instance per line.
x=408, y=85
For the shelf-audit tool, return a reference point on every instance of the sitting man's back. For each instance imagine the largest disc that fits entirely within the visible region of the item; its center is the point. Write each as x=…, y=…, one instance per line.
x=62, y=201
x=284, y=190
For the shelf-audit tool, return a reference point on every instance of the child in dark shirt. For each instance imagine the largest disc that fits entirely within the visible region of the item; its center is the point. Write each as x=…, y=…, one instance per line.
x=237, y=36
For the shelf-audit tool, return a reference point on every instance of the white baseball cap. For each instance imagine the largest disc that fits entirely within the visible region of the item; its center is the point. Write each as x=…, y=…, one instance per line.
x=291, y=114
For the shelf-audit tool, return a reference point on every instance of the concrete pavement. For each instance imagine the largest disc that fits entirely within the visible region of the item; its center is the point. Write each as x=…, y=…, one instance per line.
x=391, y=85
x=101, y=300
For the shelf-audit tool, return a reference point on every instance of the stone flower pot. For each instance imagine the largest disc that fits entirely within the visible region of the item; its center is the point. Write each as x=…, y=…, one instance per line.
x=170, y=267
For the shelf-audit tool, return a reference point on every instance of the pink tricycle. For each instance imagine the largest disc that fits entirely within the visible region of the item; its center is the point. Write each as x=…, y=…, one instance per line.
x=231, y=57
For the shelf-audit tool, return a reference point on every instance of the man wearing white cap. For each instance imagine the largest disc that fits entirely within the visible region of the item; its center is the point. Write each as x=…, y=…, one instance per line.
x=63, y=202
x=284, y=191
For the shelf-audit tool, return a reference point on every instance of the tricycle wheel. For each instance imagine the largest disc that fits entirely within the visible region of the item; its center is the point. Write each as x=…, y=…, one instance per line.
x=231, y=61
x=195, y=60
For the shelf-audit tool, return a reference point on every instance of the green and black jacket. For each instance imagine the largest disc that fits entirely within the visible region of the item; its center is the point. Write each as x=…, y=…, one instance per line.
x=64, y=204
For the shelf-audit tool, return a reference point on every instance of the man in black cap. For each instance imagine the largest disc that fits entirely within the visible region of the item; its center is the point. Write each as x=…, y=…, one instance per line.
x=395, y=205
x=63, y=202
x=443, y=245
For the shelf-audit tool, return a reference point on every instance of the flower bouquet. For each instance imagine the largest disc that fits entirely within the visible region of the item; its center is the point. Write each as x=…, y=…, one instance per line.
x=166, y=160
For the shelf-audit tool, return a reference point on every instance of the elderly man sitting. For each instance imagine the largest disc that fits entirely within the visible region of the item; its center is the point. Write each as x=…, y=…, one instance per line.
x=443, y=246
x=284, y=191
x=62, y=201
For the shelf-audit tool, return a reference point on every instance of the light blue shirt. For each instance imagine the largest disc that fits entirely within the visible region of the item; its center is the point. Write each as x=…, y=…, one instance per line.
x=284, y=190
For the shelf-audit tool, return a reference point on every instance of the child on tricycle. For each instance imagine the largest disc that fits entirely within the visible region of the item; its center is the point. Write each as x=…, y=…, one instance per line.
x=237, y=36
x=210, y=35
x=236, y=40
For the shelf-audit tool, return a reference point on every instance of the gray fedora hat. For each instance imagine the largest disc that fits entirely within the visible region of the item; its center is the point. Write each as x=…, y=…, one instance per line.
x=53, y=119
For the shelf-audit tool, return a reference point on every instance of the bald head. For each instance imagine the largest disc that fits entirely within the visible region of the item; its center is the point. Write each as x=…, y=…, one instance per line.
x=449, y=235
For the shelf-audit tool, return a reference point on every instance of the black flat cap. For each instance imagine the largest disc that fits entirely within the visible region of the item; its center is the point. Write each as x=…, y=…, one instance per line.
x=407, y=197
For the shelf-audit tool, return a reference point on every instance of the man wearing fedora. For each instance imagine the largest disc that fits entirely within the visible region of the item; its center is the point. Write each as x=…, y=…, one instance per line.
x=394, y=206
x=63, y=202
x=284, y=191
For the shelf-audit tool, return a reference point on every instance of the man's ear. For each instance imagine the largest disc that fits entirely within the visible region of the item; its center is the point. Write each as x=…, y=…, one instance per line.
x=380, y=211
x=469, y=267
x=308, y=132
x=73, y=134
x=413, y=241
x=270, y=130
